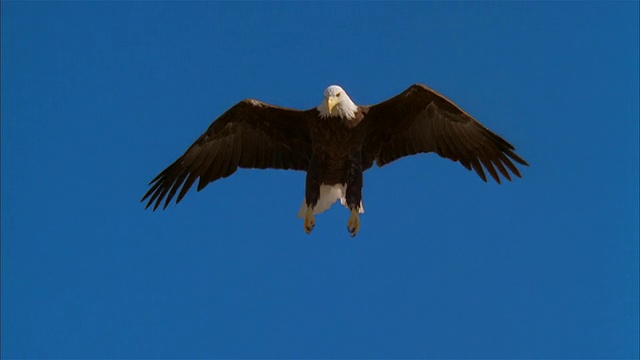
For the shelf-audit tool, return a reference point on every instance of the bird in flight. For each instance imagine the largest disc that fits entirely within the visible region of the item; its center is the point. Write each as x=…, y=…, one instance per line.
x=334, y=143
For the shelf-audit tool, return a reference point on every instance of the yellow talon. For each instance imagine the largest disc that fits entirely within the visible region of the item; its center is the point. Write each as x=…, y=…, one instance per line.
x=309, y=221
x=353, y=225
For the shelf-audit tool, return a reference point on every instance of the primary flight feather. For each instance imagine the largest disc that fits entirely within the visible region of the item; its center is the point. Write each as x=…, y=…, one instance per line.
x=334, y=143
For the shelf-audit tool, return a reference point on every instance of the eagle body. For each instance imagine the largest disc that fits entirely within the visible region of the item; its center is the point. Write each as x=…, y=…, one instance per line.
x=335, y=143
x=336, y=162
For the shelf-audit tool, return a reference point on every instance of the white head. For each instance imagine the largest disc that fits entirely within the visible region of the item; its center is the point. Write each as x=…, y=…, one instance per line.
x=337, y=103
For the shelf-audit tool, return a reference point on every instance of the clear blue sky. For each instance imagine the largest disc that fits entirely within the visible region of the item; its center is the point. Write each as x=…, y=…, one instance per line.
x=98, y=97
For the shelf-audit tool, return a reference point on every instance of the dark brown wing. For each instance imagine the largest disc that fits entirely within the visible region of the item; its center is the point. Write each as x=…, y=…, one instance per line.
x=419, y=120
x=251, y=134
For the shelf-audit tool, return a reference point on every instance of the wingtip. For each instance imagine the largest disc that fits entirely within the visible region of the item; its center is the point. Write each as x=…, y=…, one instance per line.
x=517, y=158
x=146, y=207
x=144, y=198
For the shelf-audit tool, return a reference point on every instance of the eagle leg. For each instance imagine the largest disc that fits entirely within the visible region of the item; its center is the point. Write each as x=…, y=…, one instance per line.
x=309, y=221
x=353, y=225
x=354, y=194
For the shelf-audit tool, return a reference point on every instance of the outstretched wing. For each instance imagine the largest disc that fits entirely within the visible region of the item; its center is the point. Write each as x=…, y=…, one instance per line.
x=419, y=120
x=251, y=134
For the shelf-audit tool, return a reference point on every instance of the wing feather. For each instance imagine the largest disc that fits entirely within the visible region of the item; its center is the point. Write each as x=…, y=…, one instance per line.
x=186, y=179
x=174, y=188
x=226, y=165
x=478, y=168
x=501, y=168
x=186, y=186
x=465, y=146
x=249, y=149
x=419, y=120
x=213, y=158
x=261, y=154
x=489, y=166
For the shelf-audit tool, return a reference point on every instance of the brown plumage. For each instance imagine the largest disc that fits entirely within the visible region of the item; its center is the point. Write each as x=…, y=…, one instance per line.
x=335, y=147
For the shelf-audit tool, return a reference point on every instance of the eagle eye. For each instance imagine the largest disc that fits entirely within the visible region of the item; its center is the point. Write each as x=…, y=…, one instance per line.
x=338, y=94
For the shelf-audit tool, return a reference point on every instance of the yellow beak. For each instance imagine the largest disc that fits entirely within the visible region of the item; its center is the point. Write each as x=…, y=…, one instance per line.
x=331, y=103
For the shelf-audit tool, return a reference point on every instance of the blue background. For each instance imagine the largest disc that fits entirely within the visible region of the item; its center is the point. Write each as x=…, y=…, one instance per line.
x=98, y=97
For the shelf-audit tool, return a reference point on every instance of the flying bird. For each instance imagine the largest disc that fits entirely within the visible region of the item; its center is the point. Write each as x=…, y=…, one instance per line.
x=334, y=143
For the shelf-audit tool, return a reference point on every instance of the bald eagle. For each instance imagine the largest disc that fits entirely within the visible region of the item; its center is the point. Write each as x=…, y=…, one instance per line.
x=334, y=143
